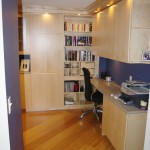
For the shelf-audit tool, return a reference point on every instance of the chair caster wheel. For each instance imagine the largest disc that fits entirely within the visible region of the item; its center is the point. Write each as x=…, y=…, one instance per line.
x=81, y=116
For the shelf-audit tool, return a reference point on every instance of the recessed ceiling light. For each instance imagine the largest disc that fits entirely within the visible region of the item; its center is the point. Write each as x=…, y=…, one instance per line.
x=79, y=14
x=95, y=11
x=108, y=5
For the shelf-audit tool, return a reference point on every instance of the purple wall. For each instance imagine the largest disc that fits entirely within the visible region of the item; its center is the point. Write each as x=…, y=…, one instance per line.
x=120, y=71
x=10, y=29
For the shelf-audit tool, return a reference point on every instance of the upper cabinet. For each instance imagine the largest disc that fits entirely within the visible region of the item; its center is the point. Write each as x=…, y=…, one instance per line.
x=122, y=31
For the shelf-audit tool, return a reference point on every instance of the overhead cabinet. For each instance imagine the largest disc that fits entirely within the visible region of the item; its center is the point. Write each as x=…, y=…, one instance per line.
x=122, y=31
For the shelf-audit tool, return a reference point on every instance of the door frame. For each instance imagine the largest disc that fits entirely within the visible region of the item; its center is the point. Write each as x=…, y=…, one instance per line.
x=4, y=128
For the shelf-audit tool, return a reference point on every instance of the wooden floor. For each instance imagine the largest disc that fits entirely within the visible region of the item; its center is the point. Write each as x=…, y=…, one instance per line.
x=62, y=130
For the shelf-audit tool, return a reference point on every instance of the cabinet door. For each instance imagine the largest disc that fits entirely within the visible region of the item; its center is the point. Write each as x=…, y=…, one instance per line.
x=55, y=90
x=47, y=91
x=39, y=92
x=136, y=131
x=55, y=23
x=55, y=53
x=38, y=53
x=38, y=23
x=114, y=123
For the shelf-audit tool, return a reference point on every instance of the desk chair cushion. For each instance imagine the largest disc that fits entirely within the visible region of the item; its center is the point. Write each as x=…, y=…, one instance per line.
x=97, y=97
x=88, y=85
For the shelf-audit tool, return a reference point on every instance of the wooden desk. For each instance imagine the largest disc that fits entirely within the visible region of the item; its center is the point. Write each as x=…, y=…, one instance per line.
x=123, y=125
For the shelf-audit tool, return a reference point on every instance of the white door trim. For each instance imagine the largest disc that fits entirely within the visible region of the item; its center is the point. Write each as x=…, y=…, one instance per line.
x=4, y=129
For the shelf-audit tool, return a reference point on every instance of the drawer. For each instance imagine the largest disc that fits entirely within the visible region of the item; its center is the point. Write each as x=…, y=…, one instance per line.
x=87, y=64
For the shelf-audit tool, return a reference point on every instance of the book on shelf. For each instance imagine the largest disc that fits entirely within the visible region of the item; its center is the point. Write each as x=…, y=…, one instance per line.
x=75, y=27
x=79, y=55
x=78, y=40
x=81, y=28
x=68, y=40
x=78, y=27
x=87, y=27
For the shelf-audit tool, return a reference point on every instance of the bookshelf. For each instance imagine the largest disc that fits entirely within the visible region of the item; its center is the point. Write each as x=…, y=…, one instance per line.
x=77, y=54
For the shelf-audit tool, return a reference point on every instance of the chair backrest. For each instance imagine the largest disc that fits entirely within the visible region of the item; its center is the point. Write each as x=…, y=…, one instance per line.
x=88, y=85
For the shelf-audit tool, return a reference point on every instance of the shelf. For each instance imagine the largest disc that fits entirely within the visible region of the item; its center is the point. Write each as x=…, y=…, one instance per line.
x=78, y=53
x=24, y=52
x=77, y=33
x=67, y=78
x=73, y=92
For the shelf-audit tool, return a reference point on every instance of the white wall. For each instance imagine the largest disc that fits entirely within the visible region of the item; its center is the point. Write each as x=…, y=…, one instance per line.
x=4, y=133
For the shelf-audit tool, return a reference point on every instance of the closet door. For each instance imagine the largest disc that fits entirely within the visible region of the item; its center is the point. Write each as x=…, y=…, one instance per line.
x=39, y=92
x=38, y=53
x=55, y=53
x=55, y=90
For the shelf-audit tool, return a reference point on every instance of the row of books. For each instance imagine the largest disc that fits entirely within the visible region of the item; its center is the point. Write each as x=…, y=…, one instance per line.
x=78, y=40
x=74, y=55
x=78, y=27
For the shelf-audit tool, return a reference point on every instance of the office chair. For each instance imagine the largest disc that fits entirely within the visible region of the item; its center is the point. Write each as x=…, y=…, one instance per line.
x=95, y=97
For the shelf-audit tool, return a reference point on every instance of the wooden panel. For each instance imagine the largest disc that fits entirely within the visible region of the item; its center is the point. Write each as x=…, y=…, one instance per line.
x=140, y=14
x=114, y=123
x=25, y=84
x=136, y=131
x=123, y=11
x=25, y=89
x=55, y=23
x=139, y=43
x=55, y=53
x=38, y=23
x=39, y=92
x=38, y=53
x=105, y=114
x=55, y=90
x=110, y=32
x=26, y=102
x=94, y=36
x=113, y=31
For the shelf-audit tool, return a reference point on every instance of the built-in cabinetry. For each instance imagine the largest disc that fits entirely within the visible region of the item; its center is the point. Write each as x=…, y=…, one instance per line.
x=126, y=131
x=78, y=54
x=124, y=125
x=122, y=31
x=42, y=86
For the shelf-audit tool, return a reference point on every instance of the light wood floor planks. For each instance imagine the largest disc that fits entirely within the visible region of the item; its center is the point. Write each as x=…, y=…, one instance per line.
x=62, y=130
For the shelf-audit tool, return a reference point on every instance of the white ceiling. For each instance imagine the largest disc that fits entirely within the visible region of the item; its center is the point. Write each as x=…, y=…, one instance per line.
x=59, y=4
x=83, y=7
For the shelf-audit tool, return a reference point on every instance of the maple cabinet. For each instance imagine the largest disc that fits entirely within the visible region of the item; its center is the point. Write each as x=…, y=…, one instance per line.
x=44, y=42
x=122, y=31
x=126, y=131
